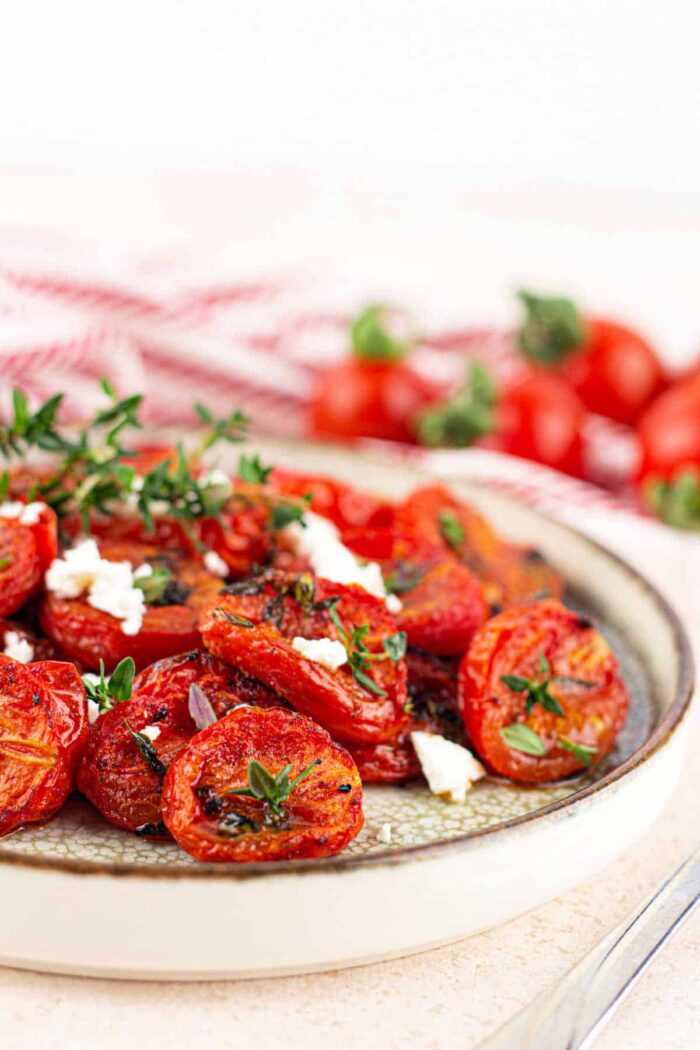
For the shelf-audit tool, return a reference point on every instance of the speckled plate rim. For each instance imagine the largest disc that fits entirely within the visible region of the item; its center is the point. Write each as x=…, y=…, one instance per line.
x=657, y=739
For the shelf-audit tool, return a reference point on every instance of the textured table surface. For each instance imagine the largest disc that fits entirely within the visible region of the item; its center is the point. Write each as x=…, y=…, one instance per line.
x=452, y=996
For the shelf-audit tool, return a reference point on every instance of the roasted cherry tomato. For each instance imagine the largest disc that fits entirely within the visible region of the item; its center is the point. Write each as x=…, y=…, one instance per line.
x=13, y=632
x=669, y=470
x=393, y=763
x=35, y=771
x=26, y=551
x=540, y=417
x=442, y=602
x=169, y=624
x=540, y=693
x=509, y=575
x=433, y=708
x=614, y=370
x=255, y=628
x=67, y=692
x=373, y=394
x=116, y=775
x=217, y=809
x=20, y=569
x=346, y=506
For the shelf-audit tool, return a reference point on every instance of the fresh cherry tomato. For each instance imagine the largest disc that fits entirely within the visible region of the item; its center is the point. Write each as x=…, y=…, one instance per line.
x=254, y=629
x=509, y=575
x=114, y=773
x=346, y=506
x=669, y=469
x=540, y=417
x=375, y=393
x=169, y=626
x=442, y=602
x=35, y=770
x=540, y=693
x=614, y=370
x=209, y=817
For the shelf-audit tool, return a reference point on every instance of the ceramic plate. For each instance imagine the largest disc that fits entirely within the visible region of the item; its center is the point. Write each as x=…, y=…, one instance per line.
x=78, y=896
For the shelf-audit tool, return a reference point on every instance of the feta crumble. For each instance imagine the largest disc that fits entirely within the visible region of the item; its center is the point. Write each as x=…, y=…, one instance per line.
x=384, y=834
x=449, y=768
x=17, y=647
x=109, y=585
x=322, y=651
x=24, y=513
x=219, y=480
x=93, y=708
x=151, y=732
x=216, y=564
x=319, y=541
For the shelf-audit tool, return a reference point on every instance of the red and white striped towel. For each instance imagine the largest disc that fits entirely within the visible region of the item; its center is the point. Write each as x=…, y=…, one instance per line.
x=252, y=343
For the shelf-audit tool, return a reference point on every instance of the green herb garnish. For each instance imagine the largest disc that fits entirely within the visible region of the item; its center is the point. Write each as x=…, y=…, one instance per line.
x=273, y=789
x=148, y=751
x=522, y=738
x=405, y=576
x=155, y=584
x=450, y=528
x=582, y=752
x=4, y=562
x=283, y=514
x=251, y=470
x=360, y=657
x=107, y=692
x=535, y=692
x=237, y=621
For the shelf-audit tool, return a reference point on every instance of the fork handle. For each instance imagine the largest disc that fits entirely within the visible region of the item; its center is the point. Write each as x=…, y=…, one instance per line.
x=570, y=1015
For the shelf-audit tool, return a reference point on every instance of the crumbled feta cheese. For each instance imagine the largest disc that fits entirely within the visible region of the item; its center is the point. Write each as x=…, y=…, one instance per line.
x=25, y=513
x=216, y=564
x=394, y=603
x=18, y=648
x=322, y=651
x=143, y=571
x=319, y=541
x=384, y=834
x=151, y=732
x=449, y=768
x=109, y=585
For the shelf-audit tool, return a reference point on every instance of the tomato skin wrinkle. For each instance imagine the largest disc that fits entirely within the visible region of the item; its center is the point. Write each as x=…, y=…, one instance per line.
x=213, y=824
x=585, y=681
x=334, y=699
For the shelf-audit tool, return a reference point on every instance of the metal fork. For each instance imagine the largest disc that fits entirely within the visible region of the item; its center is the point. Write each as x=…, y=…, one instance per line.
x=572, y=1013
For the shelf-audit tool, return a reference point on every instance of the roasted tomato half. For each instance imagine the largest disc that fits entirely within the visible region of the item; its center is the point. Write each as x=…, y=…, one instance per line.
x=433, y=708
x=255, y=627
x=260, y=786
x=124, y=780
x=26, y=551
x=31, y=647
x=346, y=506
x=35, y=770
x=169, y=624
x=510, y=575
x=442, y=601
x=540, y=693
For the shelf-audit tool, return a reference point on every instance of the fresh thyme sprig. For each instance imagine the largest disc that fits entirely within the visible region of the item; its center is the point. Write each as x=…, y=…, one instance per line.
x=272, y=789
x=91, y=474
x=108, y=691
x=360, y=657
x=538, y=692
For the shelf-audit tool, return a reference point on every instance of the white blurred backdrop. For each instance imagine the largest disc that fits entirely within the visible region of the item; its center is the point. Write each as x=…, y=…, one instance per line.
x=447, y=149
